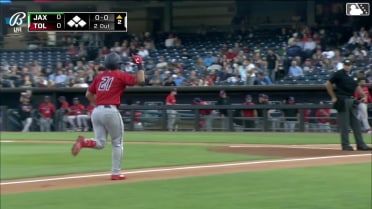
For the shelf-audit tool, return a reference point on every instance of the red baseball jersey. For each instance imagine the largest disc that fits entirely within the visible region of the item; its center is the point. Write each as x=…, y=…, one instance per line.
x=64, y=105
x=47, y=110
x=206, y=111
x=366, y=92
x=250, y=112
x=76, y=109
x=109, y=86
x=90, y=109
x=171, y=99
x=323, y=115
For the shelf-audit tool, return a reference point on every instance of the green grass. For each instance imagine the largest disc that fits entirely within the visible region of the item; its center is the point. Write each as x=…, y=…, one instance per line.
x=216, y=137
x=19, y=160
x=326, y=187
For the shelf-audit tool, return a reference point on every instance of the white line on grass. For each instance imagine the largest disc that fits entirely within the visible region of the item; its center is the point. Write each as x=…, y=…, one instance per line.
x=185, y=168
x=7, y=141
x=284, y=146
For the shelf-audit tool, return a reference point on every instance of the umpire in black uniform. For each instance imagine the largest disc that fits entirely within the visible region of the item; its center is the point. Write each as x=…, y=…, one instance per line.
x=346, y=105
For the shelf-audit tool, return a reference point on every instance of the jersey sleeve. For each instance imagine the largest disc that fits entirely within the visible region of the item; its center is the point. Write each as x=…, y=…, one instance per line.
x=334, y=77
x=92, y=88
x=129, y=79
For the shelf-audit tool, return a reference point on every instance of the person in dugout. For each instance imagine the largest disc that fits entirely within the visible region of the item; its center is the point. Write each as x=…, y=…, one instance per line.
x=75, y=110
x=47, y=110
x=249, y=114
x=205, y=120
x=25, y=110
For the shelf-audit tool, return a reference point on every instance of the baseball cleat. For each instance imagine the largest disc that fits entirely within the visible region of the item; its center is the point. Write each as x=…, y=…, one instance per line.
x=77, y=146
x=118, y=177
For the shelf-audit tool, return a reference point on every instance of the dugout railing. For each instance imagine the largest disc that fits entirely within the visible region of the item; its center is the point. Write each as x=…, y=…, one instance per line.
x=189, y=117
x=154, y=118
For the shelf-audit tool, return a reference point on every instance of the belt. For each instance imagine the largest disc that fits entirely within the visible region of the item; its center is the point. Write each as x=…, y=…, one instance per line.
x=107, y=106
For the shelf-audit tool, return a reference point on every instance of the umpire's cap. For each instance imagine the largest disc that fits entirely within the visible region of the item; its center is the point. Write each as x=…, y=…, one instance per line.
x=112, y=61
x=347, y=62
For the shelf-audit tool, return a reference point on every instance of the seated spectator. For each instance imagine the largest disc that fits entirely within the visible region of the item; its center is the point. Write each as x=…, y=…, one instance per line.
x=169, y=81
x=41, y=82
x=148, y=41
x=169, y=42
x=262, y=79
x=82, y=52
x=103, y=51
x=293, y=50
x=366, y=40
x=223, y=75
x=72, y=51
x=60, y=79
x=295, y=70
x=90, y=76
x=177, y=41
x=178, y=80
x=230, y=55
x=143, y=52
x=199, y=65
x=236, y=48
x=162, y=63
x=209, y=59
x=307, y=66
x=116, y=48
x=128, y=67
x=26, y=82
x=156, y=79
x=354, y=40
x=81, y=83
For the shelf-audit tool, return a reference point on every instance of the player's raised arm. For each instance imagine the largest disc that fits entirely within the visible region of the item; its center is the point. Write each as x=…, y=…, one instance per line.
x=140, y=73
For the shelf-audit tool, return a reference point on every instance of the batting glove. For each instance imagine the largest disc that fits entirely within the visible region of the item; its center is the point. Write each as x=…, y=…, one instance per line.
x=137, y=59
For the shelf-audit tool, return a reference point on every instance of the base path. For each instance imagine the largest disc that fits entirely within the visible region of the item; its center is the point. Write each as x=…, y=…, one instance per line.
x=290, y=157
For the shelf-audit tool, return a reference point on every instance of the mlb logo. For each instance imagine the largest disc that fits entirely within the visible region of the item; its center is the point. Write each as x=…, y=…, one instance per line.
x=357, y=9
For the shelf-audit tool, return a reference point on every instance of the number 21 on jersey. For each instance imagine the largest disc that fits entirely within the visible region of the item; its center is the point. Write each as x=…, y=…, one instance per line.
x=105, y=83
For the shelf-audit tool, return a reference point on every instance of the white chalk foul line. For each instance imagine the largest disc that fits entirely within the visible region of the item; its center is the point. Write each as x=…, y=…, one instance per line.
x=185, y=168
x=6, y=141
x=289, y=146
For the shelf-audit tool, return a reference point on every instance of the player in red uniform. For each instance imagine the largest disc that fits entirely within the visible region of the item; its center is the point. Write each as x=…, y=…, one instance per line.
x=47, y=110
x=61, y=116
x=75, y=110
x=323, y=118
x=106, y=91
x=172, y=114
x=205, y=120
x=82, y=120
x=363, y=105
x=249, y=114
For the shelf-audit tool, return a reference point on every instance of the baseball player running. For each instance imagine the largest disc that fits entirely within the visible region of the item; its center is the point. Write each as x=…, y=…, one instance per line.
x=105, y=91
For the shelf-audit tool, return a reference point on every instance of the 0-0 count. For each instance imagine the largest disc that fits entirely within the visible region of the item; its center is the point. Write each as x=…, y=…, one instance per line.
x=98, y=17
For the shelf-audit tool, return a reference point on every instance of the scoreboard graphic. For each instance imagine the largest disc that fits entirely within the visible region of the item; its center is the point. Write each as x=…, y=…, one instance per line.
x=77, y=21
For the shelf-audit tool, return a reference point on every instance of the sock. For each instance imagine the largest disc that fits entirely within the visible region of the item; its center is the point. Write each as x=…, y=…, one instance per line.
x=89, y=143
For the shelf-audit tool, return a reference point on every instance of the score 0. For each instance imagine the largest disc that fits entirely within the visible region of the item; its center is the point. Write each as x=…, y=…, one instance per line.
x=59, y=25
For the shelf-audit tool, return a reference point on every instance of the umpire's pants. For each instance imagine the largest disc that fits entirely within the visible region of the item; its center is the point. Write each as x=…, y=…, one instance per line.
x=349, y=116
